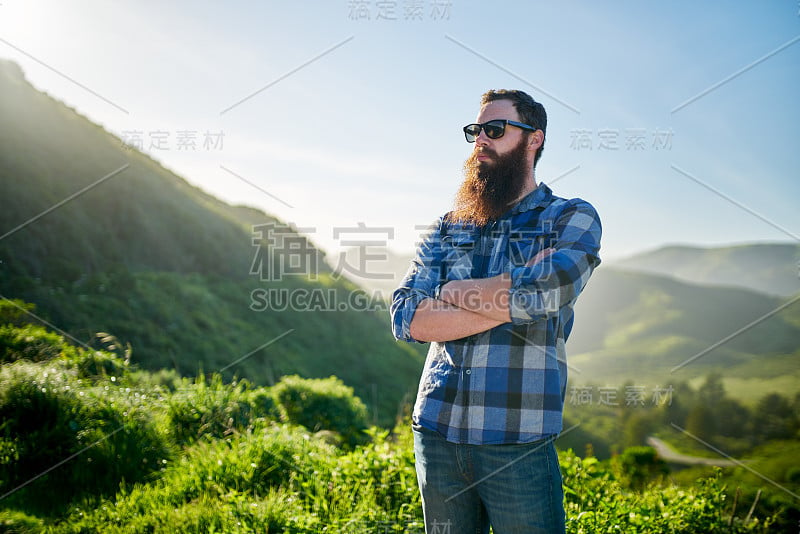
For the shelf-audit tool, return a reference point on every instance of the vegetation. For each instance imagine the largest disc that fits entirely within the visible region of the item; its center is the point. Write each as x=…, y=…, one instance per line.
x=89, y=442
x=707, y=422
x=651, y=328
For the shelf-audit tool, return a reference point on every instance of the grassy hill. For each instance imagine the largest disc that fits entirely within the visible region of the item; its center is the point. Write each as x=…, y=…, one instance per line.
x=140, y=452
x=148, y=257
x=770, y=268
x=642, y=326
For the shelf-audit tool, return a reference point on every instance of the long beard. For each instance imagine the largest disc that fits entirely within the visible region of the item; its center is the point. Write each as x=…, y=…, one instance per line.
x=489, y=187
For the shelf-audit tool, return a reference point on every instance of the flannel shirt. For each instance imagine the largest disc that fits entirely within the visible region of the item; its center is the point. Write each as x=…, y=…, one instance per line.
x=507, y=384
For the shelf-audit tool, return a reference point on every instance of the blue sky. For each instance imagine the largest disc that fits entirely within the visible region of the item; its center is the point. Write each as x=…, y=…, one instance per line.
x=677, y=120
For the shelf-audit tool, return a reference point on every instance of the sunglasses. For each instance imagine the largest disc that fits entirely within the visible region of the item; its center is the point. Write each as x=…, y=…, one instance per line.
x=494, y=129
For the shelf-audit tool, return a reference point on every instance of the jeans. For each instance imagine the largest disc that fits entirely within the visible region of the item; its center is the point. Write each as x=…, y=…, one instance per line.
x=465, y=488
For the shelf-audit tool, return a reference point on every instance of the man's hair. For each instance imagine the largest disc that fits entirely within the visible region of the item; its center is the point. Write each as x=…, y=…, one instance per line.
x=530, y=111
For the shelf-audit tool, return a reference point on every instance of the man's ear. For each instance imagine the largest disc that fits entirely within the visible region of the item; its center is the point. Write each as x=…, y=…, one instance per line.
x=536, y=139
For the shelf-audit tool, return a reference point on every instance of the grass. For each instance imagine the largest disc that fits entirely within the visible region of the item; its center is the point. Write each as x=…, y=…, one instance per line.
x=159, y=453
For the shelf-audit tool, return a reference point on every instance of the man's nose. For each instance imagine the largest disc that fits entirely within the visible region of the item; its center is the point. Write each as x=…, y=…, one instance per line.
x=482, y=139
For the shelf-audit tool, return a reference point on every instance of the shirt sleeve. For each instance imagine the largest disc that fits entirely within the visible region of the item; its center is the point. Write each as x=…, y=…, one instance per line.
x=418, y=284
x=541, y=290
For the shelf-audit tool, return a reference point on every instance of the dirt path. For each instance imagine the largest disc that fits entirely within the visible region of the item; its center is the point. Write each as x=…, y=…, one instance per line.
x=669, y=455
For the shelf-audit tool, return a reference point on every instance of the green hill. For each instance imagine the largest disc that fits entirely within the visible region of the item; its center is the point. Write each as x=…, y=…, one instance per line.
x=103, y=238
x=770, y=268
x=647, y=327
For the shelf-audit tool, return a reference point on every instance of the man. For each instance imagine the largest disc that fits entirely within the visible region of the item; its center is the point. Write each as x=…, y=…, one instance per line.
x=492, y=287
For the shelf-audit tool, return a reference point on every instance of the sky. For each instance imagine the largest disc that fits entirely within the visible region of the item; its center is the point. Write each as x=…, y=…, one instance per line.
x=677, y=120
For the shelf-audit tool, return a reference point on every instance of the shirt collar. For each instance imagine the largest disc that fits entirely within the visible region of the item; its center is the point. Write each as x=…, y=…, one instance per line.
x=538, y=197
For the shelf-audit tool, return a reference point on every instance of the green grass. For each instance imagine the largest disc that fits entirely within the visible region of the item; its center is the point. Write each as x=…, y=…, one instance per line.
x=206, y=455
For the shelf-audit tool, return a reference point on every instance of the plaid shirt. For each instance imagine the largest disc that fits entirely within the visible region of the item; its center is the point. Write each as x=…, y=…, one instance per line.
x=507, y=384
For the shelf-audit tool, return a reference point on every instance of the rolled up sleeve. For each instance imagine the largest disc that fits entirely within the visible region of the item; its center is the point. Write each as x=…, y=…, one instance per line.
x=541, y=290
x=418, y=284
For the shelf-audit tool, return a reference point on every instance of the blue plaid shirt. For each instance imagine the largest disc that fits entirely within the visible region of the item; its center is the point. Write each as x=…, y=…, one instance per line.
x=507, y=384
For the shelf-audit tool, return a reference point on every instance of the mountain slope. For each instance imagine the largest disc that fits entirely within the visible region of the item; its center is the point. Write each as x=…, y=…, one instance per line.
x=638, y=325
x=770, y=268
x=161, y=264
x=142, y=217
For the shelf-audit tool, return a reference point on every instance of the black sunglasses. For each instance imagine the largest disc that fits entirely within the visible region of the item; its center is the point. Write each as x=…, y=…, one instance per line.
x=494, y=129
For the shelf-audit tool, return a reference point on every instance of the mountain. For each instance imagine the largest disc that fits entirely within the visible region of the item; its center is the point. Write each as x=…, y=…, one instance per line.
x=103, y=238
x=640, y=326
x=772, y=268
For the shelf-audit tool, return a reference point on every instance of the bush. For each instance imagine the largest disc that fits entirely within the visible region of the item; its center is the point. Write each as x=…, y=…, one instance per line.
x=322, y=404
x=639, y=466
x=596, y=501
x=98, y=365
x=62, y=441
x=216, y=410
x=90, y=445
x=31, y=342
x=232, y=513
x=15, y=522
x=373, y=486
x=14, y=312
x=248, y=482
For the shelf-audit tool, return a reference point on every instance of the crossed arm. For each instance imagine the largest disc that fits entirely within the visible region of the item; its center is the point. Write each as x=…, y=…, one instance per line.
x=466, y=307
x=528, y=293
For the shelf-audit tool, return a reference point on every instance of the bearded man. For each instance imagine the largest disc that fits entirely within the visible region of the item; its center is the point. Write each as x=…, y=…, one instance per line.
x=492, y=288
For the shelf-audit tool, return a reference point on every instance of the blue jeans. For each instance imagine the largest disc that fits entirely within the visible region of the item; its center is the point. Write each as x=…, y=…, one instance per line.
x=465, y=488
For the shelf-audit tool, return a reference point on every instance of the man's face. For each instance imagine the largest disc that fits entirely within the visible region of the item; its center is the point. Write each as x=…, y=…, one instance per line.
x=496, y=171
x=487, y=150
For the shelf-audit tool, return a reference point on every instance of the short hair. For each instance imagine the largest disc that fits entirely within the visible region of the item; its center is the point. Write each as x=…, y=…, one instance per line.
x=530, y=111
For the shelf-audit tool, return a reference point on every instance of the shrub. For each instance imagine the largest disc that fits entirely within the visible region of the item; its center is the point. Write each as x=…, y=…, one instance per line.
x=16, y=522
x=232, y=513
x=61, y=441
x=322, y=404
x=30, y=342
x=596, y=501
x=638, y=466
x=216, y=410
x=372, y=488
x=15, y=312
x=245, y=483
x=98, y=365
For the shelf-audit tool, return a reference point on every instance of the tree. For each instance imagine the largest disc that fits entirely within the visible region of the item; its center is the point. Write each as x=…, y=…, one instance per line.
x=701, y=422
x=775, y=418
